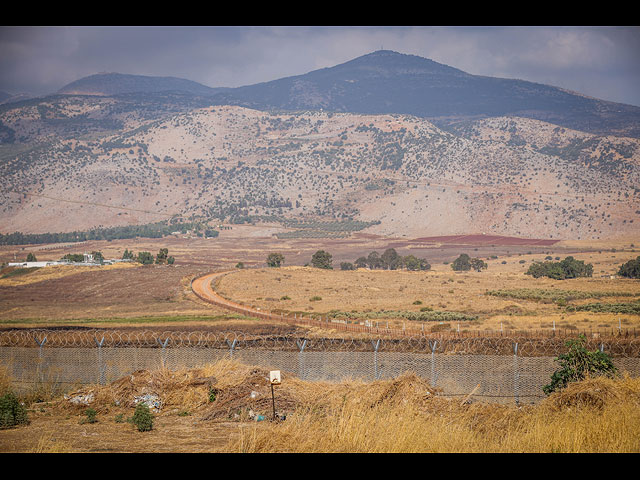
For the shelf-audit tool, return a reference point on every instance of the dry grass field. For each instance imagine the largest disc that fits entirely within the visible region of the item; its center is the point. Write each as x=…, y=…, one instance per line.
x=597, y=415
x=312, y=291
x=156, y=295
x=400, y=415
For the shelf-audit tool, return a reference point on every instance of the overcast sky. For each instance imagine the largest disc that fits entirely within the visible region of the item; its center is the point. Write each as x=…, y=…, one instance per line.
x=602, y=62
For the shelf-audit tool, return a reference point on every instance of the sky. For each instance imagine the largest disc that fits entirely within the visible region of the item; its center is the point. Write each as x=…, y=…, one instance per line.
x=598, y=61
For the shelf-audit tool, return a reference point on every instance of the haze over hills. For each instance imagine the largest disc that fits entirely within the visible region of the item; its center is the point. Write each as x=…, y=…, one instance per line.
x=397, y=143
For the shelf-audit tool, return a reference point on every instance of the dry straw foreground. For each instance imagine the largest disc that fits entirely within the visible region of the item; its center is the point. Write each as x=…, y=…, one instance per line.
x=215, y=408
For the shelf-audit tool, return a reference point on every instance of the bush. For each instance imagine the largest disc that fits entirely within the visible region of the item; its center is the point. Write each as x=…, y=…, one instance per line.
x=577, y=364
x=322, y=259
x=142, y=418
x=567, y=268
x=631, y=269
x=12, y=413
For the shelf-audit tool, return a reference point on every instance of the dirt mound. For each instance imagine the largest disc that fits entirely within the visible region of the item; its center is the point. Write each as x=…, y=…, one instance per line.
x=595, y=392
x=230, y=391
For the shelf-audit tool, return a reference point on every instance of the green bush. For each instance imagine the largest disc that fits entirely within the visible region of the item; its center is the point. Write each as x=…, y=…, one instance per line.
x=577, y=364
x=142, y=418
x=12, y=412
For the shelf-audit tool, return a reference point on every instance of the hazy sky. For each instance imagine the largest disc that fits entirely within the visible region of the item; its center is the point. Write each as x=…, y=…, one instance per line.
x=603, y=62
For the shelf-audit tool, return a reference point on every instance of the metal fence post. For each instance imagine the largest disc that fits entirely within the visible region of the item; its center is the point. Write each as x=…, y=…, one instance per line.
x=163, y=352
x=301, y=347
x=40, y=358
x=101, y=368
x=376, y=347
x=433, y=344
x=232, y=346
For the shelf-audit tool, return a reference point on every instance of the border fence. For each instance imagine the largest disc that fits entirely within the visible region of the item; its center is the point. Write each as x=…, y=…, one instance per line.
x=500, y=369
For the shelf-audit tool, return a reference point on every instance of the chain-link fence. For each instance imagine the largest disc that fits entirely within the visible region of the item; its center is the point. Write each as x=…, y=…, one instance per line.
x=496, y=369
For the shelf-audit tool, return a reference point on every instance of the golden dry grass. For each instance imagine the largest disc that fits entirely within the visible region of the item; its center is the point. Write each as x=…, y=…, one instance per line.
x=311, y=291
x=400, y=415
x=56, y=272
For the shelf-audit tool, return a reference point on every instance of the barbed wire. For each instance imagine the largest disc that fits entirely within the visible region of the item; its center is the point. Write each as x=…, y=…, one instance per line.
x=623, y=347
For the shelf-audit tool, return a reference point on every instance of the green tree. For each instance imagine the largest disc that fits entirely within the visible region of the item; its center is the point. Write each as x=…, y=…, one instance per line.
x=577, y=364
x=145, y=258
x=390, y=259
x=462, y=263
x=162, y=255
x=347, y=266
x=322, y=259
x=361, y=262
x=127, y=255
x=411, y=262
x=567, y=268
x=373, y=260
x=478, y=264
x=631, y=269
x=31, y=258
x=171, y=260
x=275, y=259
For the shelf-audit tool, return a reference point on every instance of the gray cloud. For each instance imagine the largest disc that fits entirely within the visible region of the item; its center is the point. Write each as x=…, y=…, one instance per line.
x=602, y=62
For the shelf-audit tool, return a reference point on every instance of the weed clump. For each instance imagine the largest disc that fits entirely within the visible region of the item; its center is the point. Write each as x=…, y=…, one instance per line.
x=142, y=418
x=12, y=412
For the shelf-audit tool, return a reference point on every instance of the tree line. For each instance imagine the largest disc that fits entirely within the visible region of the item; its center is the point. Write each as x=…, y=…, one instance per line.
x=150, y=230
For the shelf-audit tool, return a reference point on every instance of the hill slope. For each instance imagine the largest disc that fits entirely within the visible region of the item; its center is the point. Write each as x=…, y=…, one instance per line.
x=507, y=175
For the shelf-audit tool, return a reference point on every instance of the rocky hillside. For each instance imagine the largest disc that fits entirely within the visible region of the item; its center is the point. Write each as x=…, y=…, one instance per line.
x=502, y=175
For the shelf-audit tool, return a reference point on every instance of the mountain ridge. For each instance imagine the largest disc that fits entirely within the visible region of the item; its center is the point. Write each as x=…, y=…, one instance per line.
x=384, y=82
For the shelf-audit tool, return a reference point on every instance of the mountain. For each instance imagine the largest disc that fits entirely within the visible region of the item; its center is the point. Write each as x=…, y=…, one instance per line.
x=389, y=82
x=117, y=84
x=284, y=151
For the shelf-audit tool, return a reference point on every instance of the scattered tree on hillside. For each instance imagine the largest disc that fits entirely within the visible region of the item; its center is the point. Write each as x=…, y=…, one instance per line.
x=412, y=262
x=361, y=262
x=128, y=255
x=162, y=255
x=465, y=263
x=631, y=269
x=145, y=258
x=391, y=260
x=322, y=259
x=478, y=264
x=373, y=260
x=567, y=268
x=31, y=258
x=275, y=259
x=347, y=266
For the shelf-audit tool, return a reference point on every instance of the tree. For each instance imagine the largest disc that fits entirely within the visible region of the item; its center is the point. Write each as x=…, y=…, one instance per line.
x=145, y=258
x=347, y=266
x=171, y=260
x=577, y=364
x=411, y=262
x=373, y=260
x=98, y=257
x=631, y=269
x=567, y=268
x=390, y=259
x=462, y=263
x=322, y=259
x=478, y=265
x=162, y=255
x=127, y=255
x=275, y=259
x=31, y=258
x=361, y=262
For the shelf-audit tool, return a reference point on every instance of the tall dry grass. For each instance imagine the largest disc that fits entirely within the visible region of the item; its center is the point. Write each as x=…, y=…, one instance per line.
x=597, y=415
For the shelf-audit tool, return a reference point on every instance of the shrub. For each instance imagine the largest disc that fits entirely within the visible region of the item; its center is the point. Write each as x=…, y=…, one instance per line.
x=142, y=418
x=567, y=268
x=577, y=364
x=12, y=412
x=91, y=416
x=631, y=269
x=322, y=259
